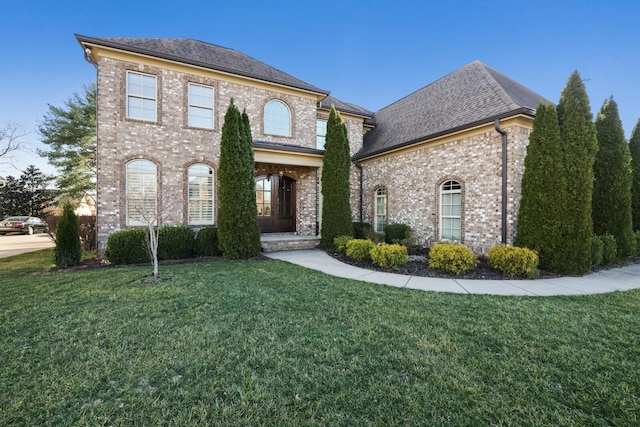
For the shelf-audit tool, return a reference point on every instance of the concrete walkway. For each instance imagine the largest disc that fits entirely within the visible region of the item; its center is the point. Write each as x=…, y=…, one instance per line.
x=617, y=279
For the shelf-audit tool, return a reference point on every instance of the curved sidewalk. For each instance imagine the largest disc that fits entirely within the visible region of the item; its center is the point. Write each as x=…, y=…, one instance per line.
x=617, y=279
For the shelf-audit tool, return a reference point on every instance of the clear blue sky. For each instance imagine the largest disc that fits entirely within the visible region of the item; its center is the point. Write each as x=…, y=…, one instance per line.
x=370, y=53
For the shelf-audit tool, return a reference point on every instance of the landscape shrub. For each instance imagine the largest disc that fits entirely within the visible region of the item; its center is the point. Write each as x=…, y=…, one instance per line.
x=206, y=242
x=452, y=258
x=597, y=249
x=359, y=249
x=637, y=234
x=389, y=255
x=361, y=230
x=340, y=243
x=127, y=247
x=175, y=242
x=609, y=249
x=68, y=249
x=396, y=233
x=514, y=261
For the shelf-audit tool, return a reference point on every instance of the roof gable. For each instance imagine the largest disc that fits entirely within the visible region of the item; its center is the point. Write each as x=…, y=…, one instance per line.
x=205, y=55
x=468, y=96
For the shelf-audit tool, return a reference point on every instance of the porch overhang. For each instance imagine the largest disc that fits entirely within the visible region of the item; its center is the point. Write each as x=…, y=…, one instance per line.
x=286, y=154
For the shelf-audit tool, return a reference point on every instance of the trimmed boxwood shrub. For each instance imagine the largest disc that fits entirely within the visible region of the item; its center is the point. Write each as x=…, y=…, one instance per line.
x=597, y=249
x=389, y=255
x=396, y=233
x=361, y=230
x=359, y=249
x=452, y=258
x=127, y=247
x=514, y=261
x=609, y=250
x=206, y=243
x=175, y=242
x=340, y=243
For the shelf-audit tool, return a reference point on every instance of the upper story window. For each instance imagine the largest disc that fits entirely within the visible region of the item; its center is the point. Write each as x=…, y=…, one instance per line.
x=277, y=118
x=321, y=133
x=141, y=193
x=200, y=106
x=381, y=210
x=141, y=96
x=200, y=194
x=451, y=211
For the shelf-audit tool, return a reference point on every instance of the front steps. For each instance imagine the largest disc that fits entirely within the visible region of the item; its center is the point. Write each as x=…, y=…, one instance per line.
x=275, y=242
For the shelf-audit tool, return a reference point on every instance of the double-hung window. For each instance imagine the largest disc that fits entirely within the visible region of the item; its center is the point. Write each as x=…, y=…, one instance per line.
x=200, y=195
x=451, y=211
x=142, y=96
x=200, y=106
x=321, y=133
x=381, y=210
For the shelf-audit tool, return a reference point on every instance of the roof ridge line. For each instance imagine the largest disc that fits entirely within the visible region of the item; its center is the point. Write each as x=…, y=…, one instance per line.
x=497, y=87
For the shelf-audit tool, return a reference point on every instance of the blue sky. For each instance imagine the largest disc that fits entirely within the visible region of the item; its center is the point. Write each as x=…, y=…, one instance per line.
x=370, y=53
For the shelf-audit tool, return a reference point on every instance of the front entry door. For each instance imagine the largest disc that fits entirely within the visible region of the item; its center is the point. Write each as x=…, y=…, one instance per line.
x=276, y=201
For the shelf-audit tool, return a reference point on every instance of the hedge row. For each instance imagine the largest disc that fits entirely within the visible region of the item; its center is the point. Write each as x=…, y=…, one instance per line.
x=174, y=242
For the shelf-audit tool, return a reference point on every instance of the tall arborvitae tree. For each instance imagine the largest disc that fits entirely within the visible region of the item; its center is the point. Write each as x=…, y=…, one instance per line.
x=238, y=231
x=68, y=250
x=612, y=181
x=543, y=191
x=579, y=148
x=634, y=148
x=336, y=210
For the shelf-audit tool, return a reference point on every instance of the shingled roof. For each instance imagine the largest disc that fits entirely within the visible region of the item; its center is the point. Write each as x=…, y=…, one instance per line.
x=205, y=55
x=472, y=95
x=344, y=107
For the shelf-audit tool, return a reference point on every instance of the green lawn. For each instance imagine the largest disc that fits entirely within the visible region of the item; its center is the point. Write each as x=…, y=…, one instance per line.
x=268, y=343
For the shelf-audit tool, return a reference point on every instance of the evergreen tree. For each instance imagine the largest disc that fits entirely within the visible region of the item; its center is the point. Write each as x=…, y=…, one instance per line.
x=634, y=148
x=543, y=191
x=612, y=181
x=70, y=132
x=68, y=250
x=336, y=209
x=579, y=148
x=238, y=231
x=27, y=195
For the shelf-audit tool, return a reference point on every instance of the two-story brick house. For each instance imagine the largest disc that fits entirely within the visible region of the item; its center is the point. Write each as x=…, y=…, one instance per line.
x=432, y=160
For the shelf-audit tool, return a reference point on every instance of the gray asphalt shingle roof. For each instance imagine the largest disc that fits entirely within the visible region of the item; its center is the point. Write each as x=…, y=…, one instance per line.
x=203, y=54
x=344, y=107
x=468, y=96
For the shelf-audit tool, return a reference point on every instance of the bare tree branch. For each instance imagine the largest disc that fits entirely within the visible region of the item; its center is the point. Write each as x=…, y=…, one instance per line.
x=11, y=135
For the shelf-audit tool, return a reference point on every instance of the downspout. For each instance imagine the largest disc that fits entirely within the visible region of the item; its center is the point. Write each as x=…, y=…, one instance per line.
x=361, y=201
x=504, y=180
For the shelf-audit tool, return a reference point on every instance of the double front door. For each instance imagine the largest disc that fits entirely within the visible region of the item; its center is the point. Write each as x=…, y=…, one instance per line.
x=276, y=201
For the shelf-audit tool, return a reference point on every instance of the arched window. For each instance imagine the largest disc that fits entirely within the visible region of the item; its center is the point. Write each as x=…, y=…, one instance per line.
x=277, y=118
x=451, y=211
x=200, y=182
x=381, y=210
x=141, y=193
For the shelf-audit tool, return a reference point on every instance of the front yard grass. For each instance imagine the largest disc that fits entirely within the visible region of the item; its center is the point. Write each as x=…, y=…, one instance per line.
x=269, y=343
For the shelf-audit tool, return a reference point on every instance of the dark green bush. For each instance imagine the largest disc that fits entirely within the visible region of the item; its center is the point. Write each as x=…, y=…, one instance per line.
x=514, y=261
x=175, y=242
x=206, y=243
x=361, y=230
x=597, y=249
x=610, y=249
x=68, y=249
x=127, y=247
x=396, y=233
x=637, y=234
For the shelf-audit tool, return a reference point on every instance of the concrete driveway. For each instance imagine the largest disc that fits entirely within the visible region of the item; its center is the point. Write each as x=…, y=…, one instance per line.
x=14, y=244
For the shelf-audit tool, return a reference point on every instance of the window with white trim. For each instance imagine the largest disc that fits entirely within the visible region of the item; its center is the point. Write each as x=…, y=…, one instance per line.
x=277, y=118
x=141, y=96
x=451, y=211
x=200, y=183
x=200, y=106
x=321, y=133
x=381, y=210
x=141, y=193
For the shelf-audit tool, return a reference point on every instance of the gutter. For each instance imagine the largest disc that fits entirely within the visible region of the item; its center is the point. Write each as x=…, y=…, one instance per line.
x=504, y=180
